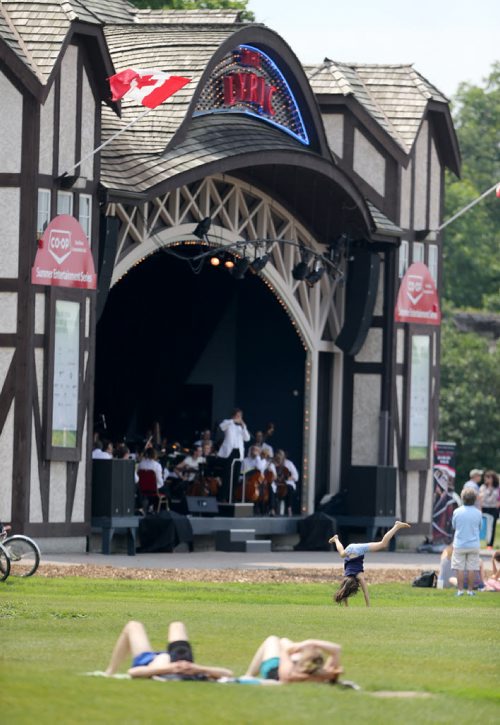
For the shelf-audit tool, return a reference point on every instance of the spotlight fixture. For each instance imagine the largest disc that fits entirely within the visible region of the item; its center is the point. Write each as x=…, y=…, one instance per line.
x=259, y=263
x=301, y=270
x=229, y=263
x=314, y=276
x=202, y=228
x=214, y=261
x=240, y=268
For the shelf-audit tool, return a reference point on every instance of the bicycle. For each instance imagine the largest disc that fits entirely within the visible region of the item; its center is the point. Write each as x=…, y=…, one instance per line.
x=22, y=553
x=4, y=564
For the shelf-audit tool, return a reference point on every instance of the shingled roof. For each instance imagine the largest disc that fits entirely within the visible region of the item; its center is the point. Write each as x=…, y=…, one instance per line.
x=188, y=17
x=395, y=96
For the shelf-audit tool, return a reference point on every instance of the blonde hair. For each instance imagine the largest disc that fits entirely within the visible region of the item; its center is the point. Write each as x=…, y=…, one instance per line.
x=311, y=660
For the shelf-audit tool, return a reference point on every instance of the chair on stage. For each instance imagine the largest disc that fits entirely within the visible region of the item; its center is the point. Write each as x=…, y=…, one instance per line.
x=148, y=491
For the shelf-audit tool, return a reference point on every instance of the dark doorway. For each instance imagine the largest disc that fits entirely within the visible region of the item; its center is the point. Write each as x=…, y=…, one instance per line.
x=184, y=349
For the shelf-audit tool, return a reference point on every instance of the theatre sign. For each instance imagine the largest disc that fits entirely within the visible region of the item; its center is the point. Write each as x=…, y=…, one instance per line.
x=248, y=81
x=63, y=258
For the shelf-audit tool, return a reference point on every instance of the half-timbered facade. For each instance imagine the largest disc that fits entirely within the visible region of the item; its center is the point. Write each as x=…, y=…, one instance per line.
x=330, y=153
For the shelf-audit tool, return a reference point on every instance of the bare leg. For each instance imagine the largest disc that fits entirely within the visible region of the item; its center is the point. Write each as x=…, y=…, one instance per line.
x=460, y=580
x=384, y=543
x=270, y=647
x=469, y=580
x=132, y=641
x=364, y=587
x=335, y=540
x=177, y=632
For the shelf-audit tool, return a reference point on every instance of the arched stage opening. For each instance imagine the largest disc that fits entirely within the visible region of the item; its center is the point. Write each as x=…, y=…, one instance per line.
x=184, y=349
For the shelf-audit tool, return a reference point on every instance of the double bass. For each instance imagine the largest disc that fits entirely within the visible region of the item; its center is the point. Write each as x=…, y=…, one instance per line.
x=283, y=476
x=252, y=481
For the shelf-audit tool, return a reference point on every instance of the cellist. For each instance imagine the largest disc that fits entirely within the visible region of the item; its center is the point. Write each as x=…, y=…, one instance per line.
x=252, y=471
x=287, y=476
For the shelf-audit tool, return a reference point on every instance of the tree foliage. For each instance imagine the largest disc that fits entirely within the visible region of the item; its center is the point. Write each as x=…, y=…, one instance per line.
x=247, y=15
x=470, y=391
x=471, y=260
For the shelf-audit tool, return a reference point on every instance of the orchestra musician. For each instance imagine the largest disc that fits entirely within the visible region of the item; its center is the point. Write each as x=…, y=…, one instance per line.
x=232, y=449
x=190, y=466
x=270, y=476
x=261, y=443
x=285, y=486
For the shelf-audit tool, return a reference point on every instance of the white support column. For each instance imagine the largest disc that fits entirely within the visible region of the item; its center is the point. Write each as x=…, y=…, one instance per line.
x=310, y=430
x=336, y=429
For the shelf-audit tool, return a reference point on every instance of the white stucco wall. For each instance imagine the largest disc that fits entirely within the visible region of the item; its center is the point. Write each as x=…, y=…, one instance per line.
x=435, y=182
x=67, y=119
x=334, y=127
x=412, y=496
x=57, y=492
x=369, y=163
x=421, y=177
x=6, y=445
x=78, y=513
x=46, y=155
x=11, y=127
x=372, y=349
x=365, y=420
x=9, y=231
x=404, y=216
x=35, y=514
x=379, y=300
x=88, y=120
x=8, y=312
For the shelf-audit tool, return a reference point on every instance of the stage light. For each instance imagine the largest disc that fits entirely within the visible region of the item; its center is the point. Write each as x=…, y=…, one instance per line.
x=300, y=271
x=259, y=263
x=229, y=263
x=202, y=228
x=214, y=261
x=315, y=276
x=240, y=268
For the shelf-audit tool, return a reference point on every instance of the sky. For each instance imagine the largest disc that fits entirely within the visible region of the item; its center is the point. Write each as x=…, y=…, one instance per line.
x=448, y=41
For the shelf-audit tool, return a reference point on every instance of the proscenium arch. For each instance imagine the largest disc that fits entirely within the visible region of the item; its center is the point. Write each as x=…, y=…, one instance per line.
x=315, y=312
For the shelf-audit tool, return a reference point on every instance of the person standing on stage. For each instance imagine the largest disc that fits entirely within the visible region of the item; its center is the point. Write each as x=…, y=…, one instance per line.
x=232, y=449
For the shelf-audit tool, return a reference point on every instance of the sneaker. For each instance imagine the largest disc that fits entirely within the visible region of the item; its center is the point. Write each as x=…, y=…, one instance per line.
x=471, y=594
x=459, y=594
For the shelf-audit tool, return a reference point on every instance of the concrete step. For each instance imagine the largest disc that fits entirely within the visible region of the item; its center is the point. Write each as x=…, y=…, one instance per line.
x=258, y=545
x=241, y=534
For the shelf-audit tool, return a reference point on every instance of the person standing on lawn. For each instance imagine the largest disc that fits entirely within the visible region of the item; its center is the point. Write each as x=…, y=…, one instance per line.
x=466, y=542
x=354, y=556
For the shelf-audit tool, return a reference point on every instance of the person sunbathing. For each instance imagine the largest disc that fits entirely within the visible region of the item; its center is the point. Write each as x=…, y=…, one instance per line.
x=279, y=660
x=176, y=662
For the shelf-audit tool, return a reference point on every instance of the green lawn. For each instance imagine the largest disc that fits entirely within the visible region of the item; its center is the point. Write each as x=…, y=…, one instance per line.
x=53, y=630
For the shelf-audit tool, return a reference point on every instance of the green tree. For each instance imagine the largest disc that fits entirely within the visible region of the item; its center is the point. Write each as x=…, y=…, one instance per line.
x=471, y=262
x=247, y=15
x=470, y=391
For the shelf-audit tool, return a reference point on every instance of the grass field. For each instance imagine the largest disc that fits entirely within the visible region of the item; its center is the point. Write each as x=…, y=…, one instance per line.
x=54, y=630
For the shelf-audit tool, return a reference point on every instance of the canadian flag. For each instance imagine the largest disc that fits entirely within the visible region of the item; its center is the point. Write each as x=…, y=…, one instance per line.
x=148, y=87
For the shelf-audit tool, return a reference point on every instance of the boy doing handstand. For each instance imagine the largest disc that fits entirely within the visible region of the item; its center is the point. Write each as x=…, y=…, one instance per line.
x=354, y=556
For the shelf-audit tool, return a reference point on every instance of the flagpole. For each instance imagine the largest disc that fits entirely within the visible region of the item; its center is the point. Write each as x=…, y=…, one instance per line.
x=466, y=208
x=111, y=138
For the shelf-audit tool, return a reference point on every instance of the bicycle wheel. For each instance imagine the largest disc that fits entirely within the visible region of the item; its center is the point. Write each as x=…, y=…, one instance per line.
x=23, y=553
x=4, y=564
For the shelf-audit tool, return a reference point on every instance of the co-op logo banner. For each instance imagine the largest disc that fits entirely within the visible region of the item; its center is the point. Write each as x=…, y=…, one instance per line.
x=418, y=300
x=64, y=258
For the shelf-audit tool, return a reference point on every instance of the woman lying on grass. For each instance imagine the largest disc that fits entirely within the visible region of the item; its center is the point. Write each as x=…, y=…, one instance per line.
x=354, y=556
x=175, y=663
x=279, y=660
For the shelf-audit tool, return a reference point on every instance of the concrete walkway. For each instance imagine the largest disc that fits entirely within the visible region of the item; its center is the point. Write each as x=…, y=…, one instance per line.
x=224, y=560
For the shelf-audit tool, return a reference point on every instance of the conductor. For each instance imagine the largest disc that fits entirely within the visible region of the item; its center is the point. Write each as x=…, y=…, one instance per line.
x=232, y=449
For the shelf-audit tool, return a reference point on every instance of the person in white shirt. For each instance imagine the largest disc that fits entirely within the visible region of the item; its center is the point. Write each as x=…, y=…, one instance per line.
x=287, y=476
x=474, y=481
x=149, y=463
x=253, y=462
x=232, y=449
x=189, y=467
x=264, y=447
x=102, y=450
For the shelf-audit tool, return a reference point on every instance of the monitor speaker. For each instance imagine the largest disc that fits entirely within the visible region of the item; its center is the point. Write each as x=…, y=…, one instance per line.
x=113, y=488
x=361, y=293
x=206, y=505
x=371, y=491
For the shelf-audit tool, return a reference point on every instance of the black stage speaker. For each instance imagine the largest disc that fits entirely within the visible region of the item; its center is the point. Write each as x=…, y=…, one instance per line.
x=361, y=293
x=113, y=488
x=206, y=505
x=371, y=491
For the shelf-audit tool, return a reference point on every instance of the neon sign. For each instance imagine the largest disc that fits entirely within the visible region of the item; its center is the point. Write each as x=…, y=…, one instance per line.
x=248, y=81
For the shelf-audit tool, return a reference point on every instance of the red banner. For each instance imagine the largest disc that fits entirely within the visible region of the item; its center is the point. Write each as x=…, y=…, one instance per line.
x=64, y=258
x=418, y=300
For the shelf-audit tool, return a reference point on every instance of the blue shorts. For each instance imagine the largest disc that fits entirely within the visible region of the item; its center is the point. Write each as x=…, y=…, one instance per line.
x=269, y=669
x=145, y=658
x=354, y=550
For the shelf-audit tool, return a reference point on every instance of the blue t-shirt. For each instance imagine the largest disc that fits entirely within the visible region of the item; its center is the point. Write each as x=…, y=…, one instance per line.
x=467, y=524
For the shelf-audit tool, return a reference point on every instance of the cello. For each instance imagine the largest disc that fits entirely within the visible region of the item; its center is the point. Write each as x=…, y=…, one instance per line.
x=252, y=481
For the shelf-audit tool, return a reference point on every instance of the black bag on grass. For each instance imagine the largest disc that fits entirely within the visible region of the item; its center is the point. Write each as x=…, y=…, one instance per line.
x=426, y=579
